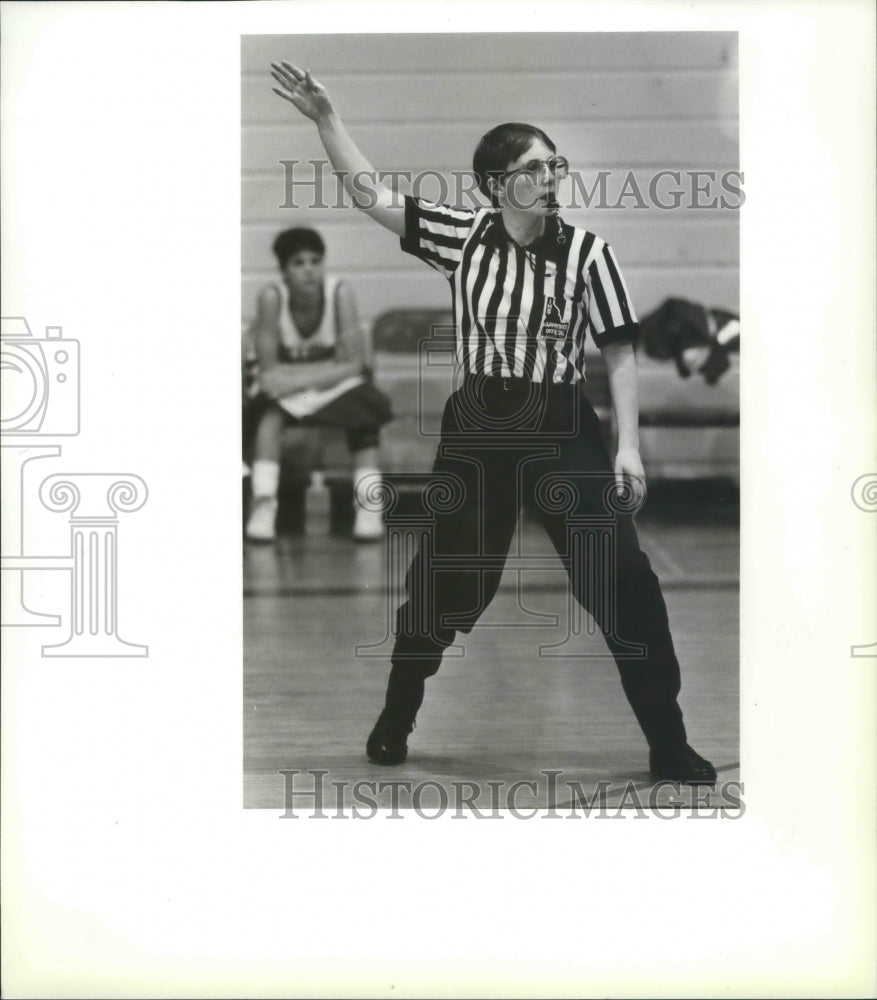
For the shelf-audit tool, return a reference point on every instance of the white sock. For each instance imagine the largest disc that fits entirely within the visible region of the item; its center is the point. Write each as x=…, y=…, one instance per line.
x=366, y=470
x=266, y=476
x=368, y=475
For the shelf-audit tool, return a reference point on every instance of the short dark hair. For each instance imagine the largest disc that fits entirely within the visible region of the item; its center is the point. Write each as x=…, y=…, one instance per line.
x=499, y=147
x=288, y=243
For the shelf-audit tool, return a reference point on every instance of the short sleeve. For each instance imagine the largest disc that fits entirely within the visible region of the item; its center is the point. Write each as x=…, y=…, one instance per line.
x=611, y=317
x=436, y=234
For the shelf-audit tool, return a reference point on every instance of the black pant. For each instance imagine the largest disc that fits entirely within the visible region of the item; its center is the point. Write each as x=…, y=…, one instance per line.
x=507, y=443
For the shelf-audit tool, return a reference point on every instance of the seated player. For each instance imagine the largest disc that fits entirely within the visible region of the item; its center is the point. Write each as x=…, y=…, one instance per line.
x=313, y=371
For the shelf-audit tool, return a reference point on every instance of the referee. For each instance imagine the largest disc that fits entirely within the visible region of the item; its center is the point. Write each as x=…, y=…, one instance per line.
x=527, y=289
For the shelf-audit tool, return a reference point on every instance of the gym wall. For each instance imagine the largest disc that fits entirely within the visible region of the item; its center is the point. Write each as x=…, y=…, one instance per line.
x=632, y=104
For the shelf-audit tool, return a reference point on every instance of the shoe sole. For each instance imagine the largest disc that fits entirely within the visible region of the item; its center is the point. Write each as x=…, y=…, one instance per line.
x=683, y=781
x=387, y=758
x=388, y=763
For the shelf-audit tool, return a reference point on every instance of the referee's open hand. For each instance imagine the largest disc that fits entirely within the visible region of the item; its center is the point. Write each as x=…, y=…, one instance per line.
x=299, y=88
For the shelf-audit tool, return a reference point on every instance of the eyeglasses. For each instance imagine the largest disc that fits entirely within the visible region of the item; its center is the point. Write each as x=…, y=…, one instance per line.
x=557, y=166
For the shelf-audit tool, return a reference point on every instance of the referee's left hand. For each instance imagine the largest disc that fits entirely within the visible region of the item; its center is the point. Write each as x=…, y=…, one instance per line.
x=301, y=90
x=630, y=476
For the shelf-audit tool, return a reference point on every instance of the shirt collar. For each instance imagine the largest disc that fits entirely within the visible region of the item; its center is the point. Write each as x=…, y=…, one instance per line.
x=495, y=234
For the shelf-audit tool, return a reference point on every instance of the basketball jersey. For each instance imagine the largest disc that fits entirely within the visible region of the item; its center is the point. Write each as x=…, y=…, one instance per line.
x=321, y=344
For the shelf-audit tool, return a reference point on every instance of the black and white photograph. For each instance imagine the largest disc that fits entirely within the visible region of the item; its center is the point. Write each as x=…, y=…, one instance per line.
x=438, y=495
x=394, y=427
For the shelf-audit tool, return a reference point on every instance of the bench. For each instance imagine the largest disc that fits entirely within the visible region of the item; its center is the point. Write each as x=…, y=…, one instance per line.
x=688, y=429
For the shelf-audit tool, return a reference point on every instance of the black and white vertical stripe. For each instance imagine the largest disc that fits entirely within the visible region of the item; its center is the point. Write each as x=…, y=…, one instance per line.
x=501, y=292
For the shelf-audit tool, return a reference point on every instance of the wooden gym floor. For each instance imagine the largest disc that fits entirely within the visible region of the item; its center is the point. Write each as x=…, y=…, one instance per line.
x=501, y=712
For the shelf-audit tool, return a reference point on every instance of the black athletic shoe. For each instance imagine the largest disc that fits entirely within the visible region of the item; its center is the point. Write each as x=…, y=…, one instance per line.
x=687, y=767
x=387, y=743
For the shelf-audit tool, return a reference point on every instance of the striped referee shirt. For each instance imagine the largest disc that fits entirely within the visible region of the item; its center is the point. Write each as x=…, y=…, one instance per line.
x=522, y=311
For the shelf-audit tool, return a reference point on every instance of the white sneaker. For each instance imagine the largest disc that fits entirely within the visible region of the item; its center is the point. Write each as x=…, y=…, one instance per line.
x=260, y=526
x=368, y=526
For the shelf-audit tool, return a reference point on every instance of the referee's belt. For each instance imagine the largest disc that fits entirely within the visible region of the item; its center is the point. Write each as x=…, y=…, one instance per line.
x=515, y=385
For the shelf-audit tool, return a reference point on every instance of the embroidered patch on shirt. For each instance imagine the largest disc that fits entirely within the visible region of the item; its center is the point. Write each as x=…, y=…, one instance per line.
x=553, y=327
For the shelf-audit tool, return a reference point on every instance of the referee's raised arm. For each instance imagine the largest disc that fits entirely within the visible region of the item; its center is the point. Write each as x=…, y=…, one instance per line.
x=310, y=97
